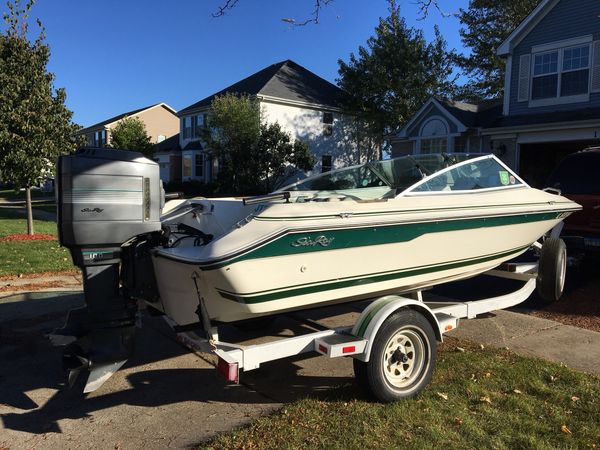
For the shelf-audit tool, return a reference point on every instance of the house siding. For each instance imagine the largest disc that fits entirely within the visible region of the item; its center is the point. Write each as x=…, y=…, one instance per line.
x=306, y=124
x=568, y=19
x=158, y=121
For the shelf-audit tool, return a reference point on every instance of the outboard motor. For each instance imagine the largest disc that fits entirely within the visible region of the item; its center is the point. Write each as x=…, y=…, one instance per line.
x=105, y=198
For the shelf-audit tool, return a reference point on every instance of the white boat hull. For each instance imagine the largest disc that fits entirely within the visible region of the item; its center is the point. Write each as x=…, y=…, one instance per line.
x=247, y=287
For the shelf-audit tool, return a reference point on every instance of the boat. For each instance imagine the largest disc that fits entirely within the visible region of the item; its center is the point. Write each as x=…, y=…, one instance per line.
x=384, y=227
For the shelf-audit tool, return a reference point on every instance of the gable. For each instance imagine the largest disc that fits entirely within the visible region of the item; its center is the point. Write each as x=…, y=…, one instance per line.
x=430, y=110
x=567, y=19
x=525, y=26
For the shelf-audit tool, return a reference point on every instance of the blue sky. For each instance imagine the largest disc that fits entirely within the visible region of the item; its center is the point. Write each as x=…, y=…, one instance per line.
x=114, y=56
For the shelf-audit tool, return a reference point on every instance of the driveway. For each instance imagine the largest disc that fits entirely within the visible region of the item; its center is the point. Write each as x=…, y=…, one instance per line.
x=167, y=396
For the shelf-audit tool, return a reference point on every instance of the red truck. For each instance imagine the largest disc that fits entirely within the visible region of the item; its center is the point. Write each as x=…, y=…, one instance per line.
x=578, y=178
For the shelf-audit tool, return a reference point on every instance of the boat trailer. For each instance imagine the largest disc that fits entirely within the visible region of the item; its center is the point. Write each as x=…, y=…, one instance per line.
x=393, y=342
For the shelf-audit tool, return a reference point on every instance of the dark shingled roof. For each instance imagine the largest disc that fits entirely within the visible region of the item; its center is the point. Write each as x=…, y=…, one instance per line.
x=285, y=80
x=474, y=115
x=545, y=118
x=168, y=145
x=193, y=145
x=114, y=119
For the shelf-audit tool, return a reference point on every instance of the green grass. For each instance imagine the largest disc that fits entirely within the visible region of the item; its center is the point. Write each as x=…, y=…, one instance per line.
x=495, y=399
x=12, y=222
x=24, y=257
x=33, y=256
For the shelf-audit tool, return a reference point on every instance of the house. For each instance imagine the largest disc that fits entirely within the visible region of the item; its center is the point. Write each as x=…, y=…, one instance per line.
x=304, y=104
x=160, y=120
x=167, y=154
x=551, y=103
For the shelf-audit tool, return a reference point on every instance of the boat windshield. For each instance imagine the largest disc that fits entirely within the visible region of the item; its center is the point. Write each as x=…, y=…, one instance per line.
x=378, y=179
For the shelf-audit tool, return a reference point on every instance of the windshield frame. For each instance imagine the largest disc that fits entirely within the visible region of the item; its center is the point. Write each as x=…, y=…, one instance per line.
x=409, y=192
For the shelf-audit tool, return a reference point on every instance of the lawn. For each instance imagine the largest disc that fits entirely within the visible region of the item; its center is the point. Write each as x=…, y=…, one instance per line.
x=478, y=398
x=22, y=257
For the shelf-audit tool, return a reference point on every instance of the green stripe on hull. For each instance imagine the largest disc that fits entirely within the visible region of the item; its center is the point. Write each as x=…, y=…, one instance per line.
x=298, y=242
x=328, y=285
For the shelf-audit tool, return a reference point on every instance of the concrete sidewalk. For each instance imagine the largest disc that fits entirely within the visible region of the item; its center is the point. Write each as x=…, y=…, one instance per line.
x=167, y=396
x=532, y=336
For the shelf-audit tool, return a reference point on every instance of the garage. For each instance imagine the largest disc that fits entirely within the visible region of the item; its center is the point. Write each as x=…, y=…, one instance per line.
x=538, y=160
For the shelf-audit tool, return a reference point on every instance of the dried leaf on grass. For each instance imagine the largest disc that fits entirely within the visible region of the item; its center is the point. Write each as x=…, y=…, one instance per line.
x=442, y=395
x=565, y=430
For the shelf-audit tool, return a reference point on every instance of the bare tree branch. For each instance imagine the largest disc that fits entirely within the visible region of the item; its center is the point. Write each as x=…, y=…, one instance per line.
x=424, y=8
x=426, y=5
x=314, y=16
x=229, y=4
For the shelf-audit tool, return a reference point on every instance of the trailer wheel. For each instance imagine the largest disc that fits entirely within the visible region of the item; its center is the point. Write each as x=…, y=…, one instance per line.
x=552, y=269
x=402, y=357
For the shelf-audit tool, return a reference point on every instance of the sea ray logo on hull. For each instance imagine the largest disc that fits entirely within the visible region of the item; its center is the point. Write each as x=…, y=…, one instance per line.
x=95, y=210
x=323, y=241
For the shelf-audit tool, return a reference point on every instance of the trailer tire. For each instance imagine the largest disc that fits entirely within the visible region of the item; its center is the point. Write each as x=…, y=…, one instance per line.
x=552, y=268
x=402, y=357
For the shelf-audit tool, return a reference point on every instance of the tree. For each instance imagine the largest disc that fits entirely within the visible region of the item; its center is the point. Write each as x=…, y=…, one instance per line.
x=35, y=124
x=234, y=128
x=487, y=23
x=390, y=78
x=130, y=134
x=275, y=151
x=251, y=154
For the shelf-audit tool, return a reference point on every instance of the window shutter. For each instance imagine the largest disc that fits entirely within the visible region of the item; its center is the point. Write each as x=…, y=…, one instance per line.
x=524, y=70
x=596, y=67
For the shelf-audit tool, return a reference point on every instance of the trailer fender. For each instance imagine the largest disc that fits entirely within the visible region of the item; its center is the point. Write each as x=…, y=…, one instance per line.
x=376, y=313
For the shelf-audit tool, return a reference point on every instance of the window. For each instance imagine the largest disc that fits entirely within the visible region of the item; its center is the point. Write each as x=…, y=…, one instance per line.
x=327, y=123
x=576, y=72
x=326, y=163
x=434, y=145
x=187, y=166
x=545, y=76
x=199, y=124
x=100, y=138
x=187, y=127
x=199, y=164
x=561, y=73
